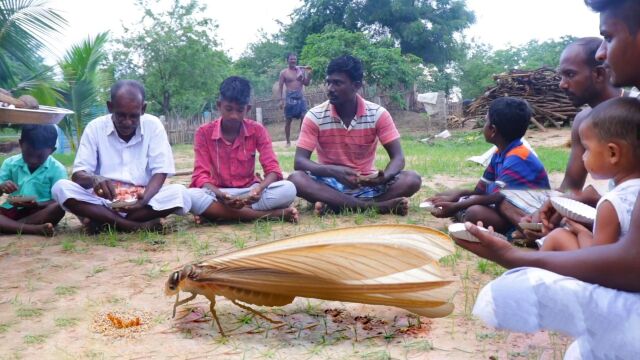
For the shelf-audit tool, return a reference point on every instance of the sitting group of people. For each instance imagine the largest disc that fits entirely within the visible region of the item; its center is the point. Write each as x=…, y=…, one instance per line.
x=127, y=153
x=591, y=290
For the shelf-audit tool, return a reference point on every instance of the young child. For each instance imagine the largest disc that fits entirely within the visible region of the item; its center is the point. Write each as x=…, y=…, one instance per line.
x=31, y=173
x=612, y=151
x=224, y=185
x=513, y=166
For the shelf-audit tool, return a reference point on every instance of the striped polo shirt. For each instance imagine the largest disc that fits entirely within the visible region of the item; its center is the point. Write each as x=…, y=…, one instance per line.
x=516, y=167
x=353, y=146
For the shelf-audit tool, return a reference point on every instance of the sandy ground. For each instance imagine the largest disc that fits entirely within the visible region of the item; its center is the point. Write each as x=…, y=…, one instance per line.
x=53, y=290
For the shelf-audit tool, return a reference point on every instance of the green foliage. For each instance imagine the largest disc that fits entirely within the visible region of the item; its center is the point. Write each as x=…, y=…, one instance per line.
x=482, y=62
x=83, y=81
x=426, y=29
x=261, y=63
x=26, y=26
x=174, y=54
x=384, y=64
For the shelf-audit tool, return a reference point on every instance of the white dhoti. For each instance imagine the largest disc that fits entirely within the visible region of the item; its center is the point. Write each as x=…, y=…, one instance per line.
x=168, y=197
x=278, y=195
x=604, y=322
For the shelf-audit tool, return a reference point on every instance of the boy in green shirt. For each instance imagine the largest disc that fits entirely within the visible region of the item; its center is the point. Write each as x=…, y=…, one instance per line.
x=28, y=178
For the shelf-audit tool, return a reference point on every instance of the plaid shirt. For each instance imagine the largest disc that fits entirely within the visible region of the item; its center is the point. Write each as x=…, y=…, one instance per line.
x=232, y=165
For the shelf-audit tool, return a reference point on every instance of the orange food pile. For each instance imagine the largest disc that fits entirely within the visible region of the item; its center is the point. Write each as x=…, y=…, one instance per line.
x=128, y=193
x=121, y=324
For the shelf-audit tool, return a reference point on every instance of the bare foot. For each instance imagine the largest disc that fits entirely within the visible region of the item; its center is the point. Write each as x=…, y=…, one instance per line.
x=90, y=227
x=288, y=144
x=155, y=225
x=291, y=214
x=197, y=219
x=45, y=229
x=398, y=206
x=319, y=208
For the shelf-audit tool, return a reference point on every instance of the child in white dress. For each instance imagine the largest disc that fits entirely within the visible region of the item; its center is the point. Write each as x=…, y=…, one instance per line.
x=612, y=151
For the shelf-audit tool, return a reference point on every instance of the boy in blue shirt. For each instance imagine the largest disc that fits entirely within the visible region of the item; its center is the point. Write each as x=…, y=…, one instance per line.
x=513, y=166
x=28, y=178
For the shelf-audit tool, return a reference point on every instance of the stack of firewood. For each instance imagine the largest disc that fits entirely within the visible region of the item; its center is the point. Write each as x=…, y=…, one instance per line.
x=539, y=87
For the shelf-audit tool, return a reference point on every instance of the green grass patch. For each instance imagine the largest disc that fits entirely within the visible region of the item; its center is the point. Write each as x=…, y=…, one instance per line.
x=26, y=312
x=64, y=322
x=34, y=339
x=65, y=290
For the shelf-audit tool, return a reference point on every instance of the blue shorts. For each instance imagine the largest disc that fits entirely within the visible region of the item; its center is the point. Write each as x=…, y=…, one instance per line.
x=366, y=192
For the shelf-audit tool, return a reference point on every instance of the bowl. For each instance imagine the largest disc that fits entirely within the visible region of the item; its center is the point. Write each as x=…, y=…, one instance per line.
x=530, y=226
x=119, y=204
x=42, y=116
x=574, y=210
x=20, y=199
x=459, y=231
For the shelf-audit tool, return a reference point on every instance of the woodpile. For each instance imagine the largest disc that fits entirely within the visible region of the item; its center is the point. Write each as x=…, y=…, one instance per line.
x=539, y=87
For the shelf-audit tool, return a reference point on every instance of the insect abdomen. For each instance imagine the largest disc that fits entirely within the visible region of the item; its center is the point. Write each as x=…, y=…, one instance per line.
x=256, y=297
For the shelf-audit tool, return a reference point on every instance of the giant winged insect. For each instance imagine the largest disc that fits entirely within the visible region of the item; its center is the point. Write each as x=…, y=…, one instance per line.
x=394, y=265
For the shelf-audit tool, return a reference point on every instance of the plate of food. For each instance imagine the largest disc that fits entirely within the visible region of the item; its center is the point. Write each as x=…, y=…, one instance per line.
x=458, y=230
x=530, y=226
x=574, y=210
x=43, y=116
x=21, y=199
x=119, y=204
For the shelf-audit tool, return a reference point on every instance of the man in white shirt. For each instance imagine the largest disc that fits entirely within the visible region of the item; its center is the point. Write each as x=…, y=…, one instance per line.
x=119, y=153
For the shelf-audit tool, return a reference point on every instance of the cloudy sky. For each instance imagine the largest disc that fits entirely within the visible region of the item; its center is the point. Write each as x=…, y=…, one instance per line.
x=499, y=22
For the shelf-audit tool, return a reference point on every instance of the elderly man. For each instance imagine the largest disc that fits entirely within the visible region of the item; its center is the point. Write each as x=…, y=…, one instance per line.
x=345, y=132
x=125, y=151
x=592, y=294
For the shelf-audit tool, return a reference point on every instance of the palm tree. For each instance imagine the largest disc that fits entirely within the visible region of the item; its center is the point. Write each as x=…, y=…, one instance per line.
x=26, y=28
x=82, y=83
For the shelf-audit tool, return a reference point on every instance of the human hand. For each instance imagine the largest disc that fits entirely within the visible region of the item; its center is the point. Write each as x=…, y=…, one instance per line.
x=374, y=179
x=445, y=209
x=528, y=233
x=549, y=217
x=575, y=227
x=253, y=196
x=443, y=197
x=234, y=202
x=103, y=187
x=346, y=176
x=489, y=246
x=8, y=187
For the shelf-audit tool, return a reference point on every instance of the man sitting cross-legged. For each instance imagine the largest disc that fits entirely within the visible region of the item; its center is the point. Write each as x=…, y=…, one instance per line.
x=345, y=132
x=127, y=149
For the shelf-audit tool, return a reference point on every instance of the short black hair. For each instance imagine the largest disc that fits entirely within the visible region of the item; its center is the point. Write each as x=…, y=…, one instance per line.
x=626, y=10
x=510, y=116
x=347, y=64
x=236, y=89
x=617, y=118
x=589, y=47
x=286, y=57
x=39, y=136
x=127, y=84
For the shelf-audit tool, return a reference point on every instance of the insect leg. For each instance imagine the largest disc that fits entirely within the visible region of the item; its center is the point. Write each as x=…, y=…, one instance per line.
x=178, y=302
x=255, y=312
x=215, y=316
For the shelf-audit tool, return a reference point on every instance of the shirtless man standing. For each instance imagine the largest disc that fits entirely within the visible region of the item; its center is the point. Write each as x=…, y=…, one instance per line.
x=295, y=78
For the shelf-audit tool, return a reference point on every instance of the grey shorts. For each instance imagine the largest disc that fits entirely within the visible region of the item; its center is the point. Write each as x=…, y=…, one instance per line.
x=277, y=195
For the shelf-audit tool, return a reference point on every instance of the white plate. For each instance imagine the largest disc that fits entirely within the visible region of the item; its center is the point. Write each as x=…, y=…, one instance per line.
x=574, y=210
x=531, y=226
x=428, y=205
x=458, y=230
x=122, y=203
x=43, y=115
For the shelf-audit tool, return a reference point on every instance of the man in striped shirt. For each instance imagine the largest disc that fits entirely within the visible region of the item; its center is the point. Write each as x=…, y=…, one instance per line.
x=345, y=132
